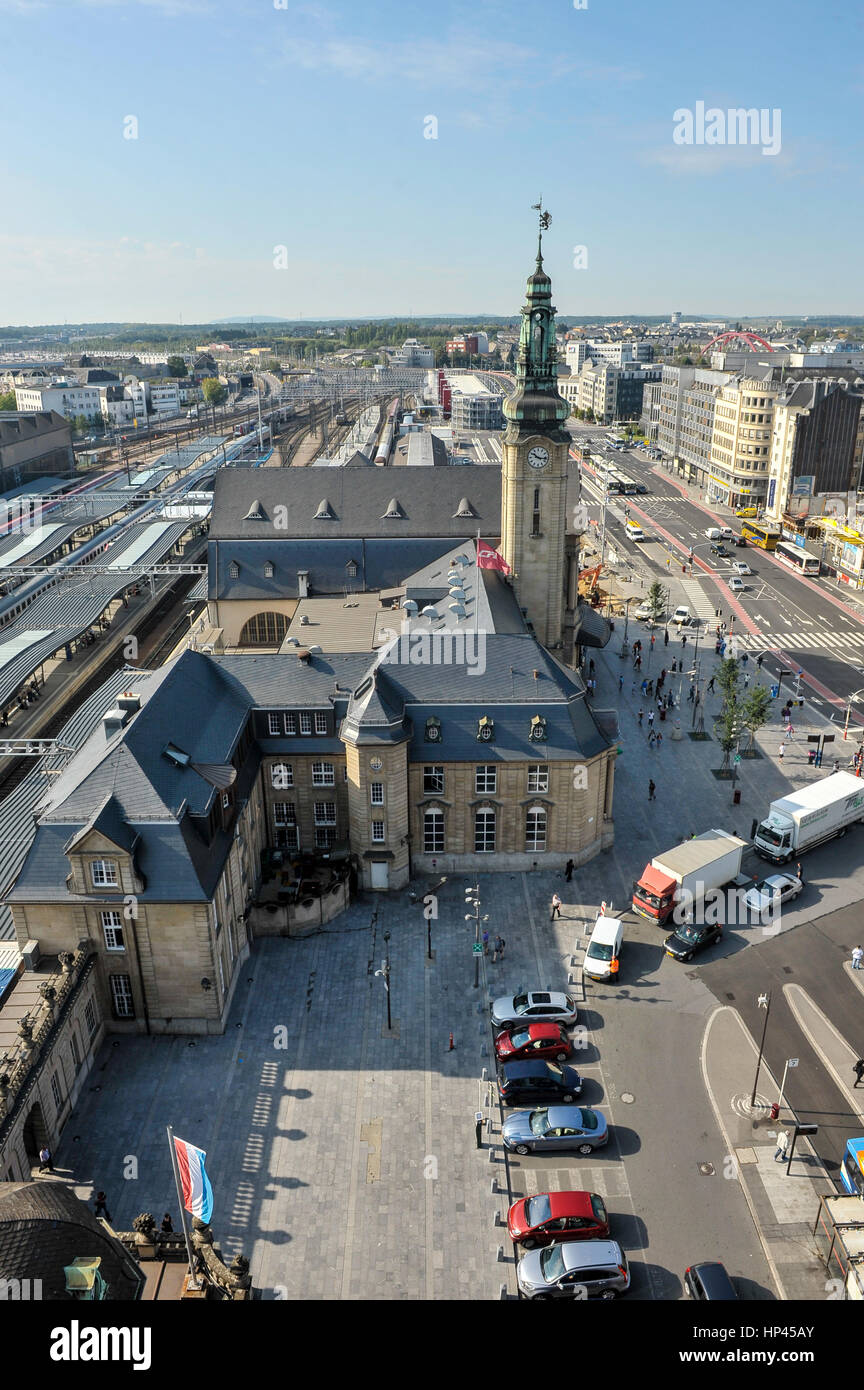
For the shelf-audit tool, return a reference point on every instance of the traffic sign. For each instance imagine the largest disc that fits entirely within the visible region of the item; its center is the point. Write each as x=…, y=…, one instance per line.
x=737, y=758
x=477, y=949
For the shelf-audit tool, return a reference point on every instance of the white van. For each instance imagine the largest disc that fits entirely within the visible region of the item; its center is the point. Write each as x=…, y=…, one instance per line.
x=634, y=532
x=604, y=947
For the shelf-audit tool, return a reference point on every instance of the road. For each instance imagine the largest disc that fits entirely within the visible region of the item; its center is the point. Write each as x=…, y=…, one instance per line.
x=806, y=623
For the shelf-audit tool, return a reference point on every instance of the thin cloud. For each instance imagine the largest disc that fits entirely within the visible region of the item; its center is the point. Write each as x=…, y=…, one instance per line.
x=436, y=63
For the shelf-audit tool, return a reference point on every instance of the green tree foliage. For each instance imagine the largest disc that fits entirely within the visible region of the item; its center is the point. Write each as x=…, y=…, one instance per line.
x=214, y=391
x=656, y=600
x=176, y=366
x=755, y=710
x=7, y=401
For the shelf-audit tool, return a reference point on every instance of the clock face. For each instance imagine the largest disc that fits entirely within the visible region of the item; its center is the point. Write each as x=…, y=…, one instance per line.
x=538, y=458
x=375, y=764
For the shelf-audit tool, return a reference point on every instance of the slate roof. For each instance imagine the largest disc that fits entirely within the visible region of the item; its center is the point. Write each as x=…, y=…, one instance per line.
x=44, y=1226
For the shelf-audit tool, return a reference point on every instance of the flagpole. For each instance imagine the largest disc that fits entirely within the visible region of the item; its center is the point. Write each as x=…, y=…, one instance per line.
x=193, y=1279
x=477, y=582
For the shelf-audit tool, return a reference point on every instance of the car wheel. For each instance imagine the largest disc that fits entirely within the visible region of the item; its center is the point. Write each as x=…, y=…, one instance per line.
x=688, y=957
x=561, y=1056
x=529, y=1244
x=585, y=1149
x=522, y=1149
x=609, y=1294
x=569, y=1098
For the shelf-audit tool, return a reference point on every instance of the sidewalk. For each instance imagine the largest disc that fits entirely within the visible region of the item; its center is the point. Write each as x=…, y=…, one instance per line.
x=783, y=1205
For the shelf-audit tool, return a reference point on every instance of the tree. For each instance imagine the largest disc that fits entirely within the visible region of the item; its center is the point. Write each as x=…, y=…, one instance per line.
x=755, y=711
x=214, y=391
x=656, y=601
x=729, y=722
x=7, y=401
x=79, y=423
x=177, y=366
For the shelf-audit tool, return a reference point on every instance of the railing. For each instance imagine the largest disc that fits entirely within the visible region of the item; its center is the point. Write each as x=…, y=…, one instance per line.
x=20, y=1069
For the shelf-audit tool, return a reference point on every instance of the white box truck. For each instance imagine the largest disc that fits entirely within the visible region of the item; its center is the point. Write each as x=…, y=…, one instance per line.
x=683, y=875
x=797, y=822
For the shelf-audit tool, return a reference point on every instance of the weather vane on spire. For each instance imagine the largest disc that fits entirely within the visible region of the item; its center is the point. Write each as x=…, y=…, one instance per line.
x=544, y=220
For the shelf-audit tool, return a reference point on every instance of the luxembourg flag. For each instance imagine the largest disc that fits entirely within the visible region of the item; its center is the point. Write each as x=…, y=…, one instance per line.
x=197, y=1192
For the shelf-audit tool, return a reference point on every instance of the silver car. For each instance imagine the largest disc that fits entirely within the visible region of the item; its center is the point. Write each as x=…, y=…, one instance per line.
x=767, y=895
x=555, y=1129
x=536, y=1006
x=574, y=1269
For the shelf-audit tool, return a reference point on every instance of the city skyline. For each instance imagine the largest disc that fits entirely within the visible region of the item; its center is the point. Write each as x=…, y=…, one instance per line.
x=208, y=162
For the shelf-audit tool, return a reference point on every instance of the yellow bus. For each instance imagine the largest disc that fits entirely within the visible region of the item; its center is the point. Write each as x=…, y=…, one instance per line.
x=761, y=534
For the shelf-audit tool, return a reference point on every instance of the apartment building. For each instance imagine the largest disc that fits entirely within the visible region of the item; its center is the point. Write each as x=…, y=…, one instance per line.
x=473, y=405
x=815, y=449
x=741, y=442
x=66, y=397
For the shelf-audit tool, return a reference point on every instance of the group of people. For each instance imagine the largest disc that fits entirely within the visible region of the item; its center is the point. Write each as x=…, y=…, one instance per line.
x=498, y=944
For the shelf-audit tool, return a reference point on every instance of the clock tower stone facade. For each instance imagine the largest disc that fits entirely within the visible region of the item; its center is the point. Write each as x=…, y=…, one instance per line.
x=535, y=448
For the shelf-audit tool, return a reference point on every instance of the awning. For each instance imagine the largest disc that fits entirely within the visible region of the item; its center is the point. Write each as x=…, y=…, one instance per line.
x=591, y=629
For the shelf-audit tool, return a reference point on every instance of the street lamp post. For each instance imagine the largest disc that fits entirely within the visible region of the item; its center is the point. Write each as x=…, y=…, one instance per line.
x=384, y=974
x=764, y=1002
x=472, y=899
x=850, y=698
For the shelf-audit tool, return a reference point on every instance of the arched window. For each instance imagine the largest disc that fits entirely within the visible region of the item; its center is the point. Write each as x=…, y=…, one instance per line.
x=264, y=630
x=535, y=829
x=433, y=831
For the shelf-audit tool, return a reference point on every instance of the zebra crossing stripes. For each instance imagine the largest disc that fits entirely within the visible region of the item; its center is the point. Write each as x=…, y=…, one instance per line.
x=850, y=642
x=607, y=1181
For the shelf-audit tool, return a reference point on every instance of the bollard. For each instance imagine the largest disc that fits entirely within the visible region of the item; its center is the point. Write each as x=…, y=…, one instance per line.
x=452, y=1047
x=478, y=1128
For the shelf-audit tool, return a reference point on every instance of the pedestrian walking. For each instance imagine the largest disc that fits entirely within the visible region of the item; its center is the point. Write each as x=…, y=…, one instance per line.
x=780, y=751
x=591, y=667
x=568, y=870
x=782, y=1145
x=640, y=716
x=746, y=680
x=644, y=687
x=799, y=871
x=651, y=719
x=167, y=1225
x=652, y=641
x=650, y=690
x=666, y=638
x=651, y=790
x=638, y=663
x=652, y=739
x=101, y=1208
x=485, y=943
x=859, y=1070
x=620, y=684
x=836, y=764
x=684, y=640
x=857, y=957
x=556, y=907
x=710, y=687
x=659, y=738
x=498, y=950
x=45, y=1159
x=760, y=658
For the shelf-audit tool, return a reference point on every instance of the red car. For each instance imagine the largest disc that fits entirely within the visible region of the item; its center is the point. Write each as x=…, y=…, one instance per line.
x=521, y=1042
x=552, y=1216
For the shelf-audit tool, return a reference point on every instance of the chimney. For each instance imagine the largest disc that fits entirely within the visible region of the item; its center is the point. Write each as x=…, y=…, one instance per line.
x=129, y=702
x=304, y=655
x=30, y=954
x=303, y=583
x=113, y=721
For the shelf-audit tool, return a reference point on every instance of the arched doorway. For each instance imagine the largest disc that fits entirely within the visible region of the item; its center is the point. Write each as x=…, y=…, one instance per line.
x=34, y=1134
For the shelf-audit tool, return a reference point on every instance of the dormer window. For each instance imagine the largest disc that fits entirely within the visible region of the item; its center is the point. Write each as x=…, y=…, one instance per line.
x=394, y=511
x=268, y=570
x=486, y=729
x=537, y=732
x=103, y=873
x=233, y=570
x=351, y=569
x=433, y=730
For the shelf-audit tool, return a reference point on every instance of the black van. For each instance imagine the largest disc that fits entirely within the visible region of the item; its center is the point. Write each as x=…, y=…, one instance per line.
x=523, y=1083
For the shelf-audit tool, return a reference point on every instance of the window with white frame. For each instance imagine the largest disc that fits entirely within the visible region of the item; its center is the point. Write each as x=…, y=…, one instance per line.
x=320, y=722
x=290, y=724
x=433, y=779
x=325, y=836
x=535, y=829
x=284, y=813
x=281, y=776
x=538, y=778
x=55, y=1091
x=274, y=724
x=484, y=832
x=486, y=778
x=376, y=793
x=323, y=775
x=325, y=812
x=378, y=835
x=433, y=831
x=305, y=722
x=121, y=996
x=103, y=873
x=112, y=930
x=90, y=1017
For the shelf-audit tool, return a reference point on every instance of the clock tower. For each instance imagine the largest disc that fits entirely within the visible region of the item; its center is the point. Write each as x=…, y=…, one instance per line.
x=535, y=448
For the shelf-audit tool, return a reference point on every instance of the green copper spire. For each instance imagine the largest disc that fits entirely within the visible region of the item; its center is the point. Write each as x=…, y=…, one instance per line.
x=536, y=404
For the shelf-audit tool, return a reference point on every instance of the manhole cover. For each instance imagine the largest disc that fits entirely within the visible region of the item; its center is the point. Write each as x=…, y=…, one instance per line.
x=707, y=1170
x=626, y=1098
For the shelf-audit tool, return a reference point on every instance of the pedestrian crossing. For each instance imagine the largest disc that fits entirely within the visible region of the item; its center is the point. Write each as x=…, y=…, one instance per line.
x=608, y=1180
x=850, y=644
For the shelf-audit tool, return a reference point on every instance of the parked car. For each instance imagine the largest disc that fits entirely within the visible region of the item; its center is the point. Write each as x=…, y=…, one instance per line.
x=709, y=1282
x=682, y=615
x=555, y=1129
x=534, y=1040
x=767, y=895
x=742, y=567
x=747, y=511
x=575, y=1269
x=537, y=1006
x=689, y=938
x=737, y=585
x=526, y=1083
x=549, y=1216
x=643, y=613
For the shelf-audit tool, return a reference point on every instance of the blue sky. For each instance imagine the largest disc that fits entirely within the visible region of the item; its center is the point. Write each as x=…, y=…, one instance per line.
x=303, y=127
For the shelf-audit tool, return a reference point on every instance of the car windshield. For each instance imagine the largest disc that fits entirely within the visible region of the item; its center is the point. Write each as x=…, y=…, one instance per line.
x=589, y=1120
x=552, y=1262
x=598, y=1208
x=520, y=1002
x=520, y=1038
x=766, y=888
x=539, y=1121
x=598, y=950
x=554, y=1070
x=538, y=1210
x=689, y=932
x=770, y=835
